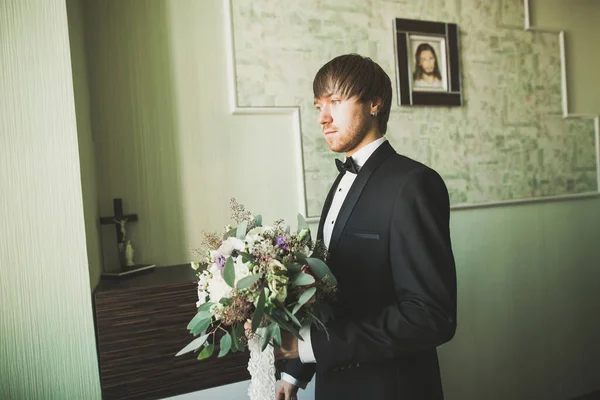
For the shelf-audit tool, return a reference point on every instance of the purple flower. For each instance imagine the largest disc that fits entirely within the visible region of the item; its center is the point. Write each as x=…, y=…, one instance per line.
x=281, y=242
x=220, y=260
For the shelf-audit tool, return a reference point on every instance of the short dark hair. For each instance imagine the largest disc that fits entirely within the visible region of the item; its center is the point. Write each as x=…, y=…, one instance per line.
x=354, y=75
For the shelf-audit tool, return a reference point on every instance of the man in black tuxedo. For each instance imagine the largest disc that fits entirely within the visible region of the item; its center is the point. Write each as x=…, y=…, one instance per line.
x=386, y=225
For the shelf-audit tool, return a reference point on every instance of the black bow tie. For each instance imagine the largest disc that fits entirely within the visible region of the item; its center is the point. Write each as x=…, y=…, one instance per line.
x=349, y=165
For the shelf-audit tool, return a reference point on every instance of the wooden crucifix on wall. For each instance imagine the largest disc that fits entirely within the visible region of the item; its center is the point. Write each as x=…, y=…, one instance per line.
x=119, y=219
x=125, y=249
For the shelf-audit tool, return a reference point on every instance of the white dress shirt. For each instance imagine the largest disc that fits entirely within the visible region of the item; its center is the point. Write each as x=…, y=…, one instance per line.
x=305, y=350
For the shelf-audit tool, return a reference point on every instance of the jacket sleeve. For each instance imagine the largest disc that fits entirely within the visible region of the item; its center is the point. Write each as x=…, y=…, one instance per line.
x=423, y=314
x=298, y=370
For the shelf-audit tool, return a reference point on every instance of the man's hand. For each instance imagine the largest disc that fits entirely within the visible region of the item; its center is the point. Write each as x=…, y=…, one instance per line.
x=286, y=391
x=289, y=347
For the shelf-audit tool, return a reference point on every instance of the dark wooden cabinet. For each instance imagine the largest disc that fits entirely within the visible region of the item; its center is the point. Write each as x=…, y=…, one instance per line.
x=140, y=326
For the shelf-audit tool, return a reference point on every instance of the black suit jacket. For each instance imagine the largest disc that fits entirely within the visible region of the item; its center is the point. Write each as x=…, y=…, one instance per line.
x=391, y=254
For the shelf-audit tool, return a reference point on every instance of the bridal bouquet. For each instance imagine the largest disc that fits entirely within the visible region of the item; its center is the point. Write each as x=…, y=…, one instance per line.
x=257, y=281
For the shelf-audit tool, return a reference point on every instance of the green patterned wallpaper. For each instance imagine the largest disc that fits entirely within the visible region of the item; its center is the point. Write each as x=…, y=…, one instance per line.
x=47, y=342
x=508, y=142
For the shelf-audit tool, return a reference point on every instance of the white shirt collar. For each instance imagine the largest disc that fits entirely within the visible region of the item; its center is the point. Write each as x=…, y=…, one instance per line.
x=362, y=155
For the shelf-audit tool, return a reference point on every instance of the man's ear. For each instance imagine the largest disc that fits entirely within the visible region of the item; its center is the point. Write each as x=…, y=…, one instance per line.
x=376, y=105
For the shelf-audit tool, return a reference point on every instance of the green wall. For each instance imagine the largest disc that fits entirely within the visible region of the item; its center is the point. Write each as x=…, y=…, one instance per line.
x=165, y=139
x=579, y=19
x=528, y=278
x=507, y=142
x=47, y=346
x=137, y=139
x=87, y=157
x=527, y=273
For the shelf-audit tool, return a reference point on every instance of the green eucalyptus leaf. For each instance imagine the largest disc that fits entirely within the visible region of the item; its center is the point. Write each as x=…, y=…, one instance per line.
x=240, y=330
x=235, y=343
x=258, y=220
x=293, y=267
x=226, y=301
x=206, y=306
x=301, y=223
x=201, y=326
x=193, y=345
x=246, y=257
x=269, y=332
x=278, y=314
x=276, y=334
x=303, y=279
x=248, y=281
x=225, y=345
x=230, y=233
x=292, y=317
x=299, y=256
x=239, y=333
x=320, y=269
x=229, y=272
x=198, y=317
x=304, y=297
x=241, y=230
x=207, y=352
x=258, y=313
x=297, y=307
x=288, y=327
x=283, y=316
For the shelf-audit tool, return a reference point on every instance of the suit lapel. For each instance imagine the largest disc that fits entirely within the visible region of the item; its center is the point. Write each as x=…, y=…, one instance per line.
x=355, y=191
x=327, y=205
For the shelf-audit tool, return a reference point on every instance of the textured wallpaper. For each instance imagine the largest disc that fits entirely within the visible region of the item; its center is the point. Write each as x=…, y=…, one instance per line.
x=87, y=160
x=47, y=345
x=134, y=128
x=508, y=141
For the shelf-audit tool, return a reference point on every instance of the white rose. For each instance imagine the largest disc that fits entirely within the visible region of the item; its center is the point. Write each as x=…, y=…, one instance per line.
x=203, y=280
x=259, y=230
x=214, y=269
x=242, y=269
x=230, y=245
x=214, y=254
x=255, y=234
x=202, y=295
x=237, y=243
x=218, y=288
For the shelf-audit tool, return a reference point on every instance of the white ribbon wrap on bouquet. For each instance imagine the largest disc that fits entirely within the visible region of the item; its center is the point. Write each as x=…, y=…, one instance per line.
x=262, y=369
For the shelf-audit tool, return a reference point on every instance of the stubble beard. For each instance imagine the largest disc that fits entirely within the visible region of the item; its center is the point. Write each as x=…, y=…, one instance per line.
x=351, y=137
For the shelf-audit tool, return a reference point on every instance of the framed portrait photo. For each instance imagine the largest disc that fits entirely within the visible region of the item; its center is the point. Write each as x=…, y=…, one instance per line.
x=427, y=63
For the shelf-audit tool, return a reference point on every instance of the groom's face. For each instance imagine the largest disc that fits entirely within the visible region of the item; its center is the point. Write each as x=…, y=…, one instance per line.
x=344, y=122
